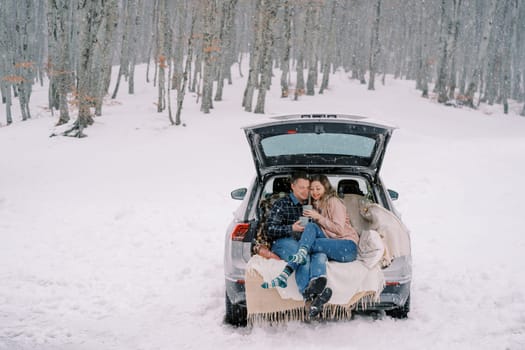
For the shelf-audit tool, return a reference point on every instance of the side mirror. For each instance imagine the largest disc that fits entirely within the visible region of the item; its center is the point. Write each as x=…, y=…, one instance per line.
x=239, y=193
x=393, y=194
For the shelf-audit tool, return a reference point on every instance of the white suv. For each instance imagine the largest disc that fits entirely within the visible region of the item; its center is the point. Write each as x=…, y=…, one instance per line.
x=350, y=151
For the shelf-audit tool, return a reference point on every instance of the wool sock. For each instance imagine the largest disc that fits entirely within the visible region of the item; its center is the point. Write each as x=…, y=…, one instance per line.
x=279, y=281
x=299, y=257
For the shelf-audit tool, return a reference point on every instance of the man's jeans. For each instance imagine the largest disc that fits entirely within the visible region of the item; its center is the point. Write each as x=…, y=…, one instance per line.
x=315, y=265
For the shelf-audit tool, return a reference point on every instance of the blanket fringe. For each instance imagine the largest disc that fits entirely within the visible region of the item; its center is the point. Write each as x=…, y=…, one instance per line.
x=277, y=317
x=332, y=312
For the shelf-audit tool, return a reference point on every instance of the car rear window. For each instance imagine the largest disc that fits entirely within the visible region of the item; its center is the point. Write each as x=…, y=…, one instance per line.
x=313, y=143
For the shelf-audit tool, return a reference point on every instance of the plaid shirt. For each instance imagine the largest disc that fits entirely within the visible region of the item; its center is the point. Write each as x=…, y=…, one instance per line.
x=285, y=211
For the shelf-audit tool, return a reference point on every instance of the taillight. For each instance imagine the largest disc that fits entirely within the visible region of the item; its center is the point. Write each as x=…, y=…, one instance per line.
x=240, y=231
x=392, y=283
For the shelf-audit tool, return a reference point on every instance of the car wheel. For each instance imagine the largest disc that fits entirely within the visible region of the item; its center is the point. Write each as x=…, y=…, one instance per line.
x=400, y=312
x=235, y=314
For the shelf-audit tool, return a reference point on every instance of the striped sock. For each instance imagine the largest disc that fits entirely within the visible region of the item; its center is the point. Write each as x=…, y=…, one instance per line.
x=279, y=281
x=299, y=257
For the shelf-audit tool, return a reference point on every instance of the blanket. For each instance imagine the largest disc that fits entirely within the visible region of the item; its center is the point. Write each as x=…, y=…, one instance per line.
x=394, y=233
x=350, y=282
x=365, y=215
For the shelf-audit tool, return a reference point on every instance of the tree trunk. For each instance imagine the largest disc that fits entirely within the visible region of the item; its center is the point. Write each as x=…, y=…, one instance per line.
x=134, y=43
x=422, y=75
x=210, y=49
x=187, y=69
x=92, y=12
x=24, y=62
x=375, y=47
x=269, y=12
x=443, y=69
x=110, y=25
x=479, y=67
x=285, y=64
x=59, y=69
x=225, y=38
x=329, y=49
x=510, y=14
x=255, y=57
x=130, y=10
x=162, y=53
x=311, y=33
x=454, y=27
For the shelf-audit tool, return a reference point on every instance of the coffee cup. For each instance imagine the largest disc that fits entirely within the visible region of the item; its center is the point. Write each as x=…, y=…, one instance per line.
x=303, y=220
x=307, y=207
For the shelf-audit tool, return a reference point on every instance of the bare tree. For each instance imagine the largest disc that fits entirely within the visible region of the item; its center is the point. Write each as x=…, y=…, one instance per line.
x=162, y=52
x=312, y=38
x=24, y=62
x=7, y=56
x=60, y=71
x=187, y=69
x=268, y=14
x=300, y=38
x=128, y=43
x=481, y=56
x=446, y=32
x=105, y=53
x=423, y=59
x=375, y=47
x=255, y=56
x=226, y=42
x=210, y=49
x=92, y=13
x=287, y=33
x=328, y=48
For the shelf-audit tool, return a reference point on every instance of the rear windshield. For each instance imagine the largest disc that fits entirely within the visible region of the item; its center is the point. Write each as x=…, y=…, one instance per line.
x=312, y=143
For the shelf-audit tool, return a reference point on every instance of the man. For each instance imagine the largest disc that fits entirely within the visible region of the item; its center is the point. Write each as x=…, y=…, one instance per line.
x=284, y=230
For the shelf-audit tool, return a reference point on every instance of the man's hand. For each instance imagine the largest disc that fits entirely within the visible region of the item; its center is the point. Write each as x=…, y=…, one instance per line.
x=296, y=227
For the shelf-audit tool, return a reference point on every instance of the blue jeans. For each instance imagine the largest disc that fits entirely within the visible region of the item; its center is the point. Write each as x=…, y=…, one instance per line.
x=341, y=250
x=315, y=265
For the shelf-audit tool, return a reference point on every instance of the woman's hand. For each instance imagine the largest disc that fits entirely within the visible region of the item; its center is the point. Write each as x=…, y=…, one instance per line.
x=312, y=214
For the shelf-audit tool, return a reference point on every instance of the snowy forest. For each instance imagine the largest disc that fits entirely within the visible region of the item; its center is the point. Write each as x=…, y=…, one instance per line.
x=458, y=52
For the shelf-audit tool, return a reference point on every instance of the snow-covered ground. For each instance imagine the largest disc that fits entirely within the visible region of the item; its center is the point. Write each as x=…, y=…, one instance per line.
x=116, y=241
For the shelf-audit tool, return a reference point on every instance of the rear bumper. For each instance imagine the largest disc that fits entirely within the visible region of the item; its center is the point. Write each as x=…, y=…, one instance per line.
x=236, y=292
x=392, y=297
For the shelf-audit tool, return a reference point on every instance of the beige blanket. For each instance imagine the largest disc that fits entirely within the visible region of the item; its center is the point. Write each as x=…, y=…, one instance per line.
x=350, y=282
x=365, y=216
x=394, y=233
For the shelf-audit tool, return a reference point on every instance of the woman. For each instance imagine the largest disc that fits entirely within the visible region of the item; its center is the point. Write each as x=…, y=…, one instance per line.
x=329, y=234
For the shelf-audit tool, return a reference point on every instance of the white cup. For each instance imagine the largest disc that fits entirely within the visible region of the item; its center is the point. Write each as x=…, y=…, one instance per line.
x=307, y=207
x=303, y=220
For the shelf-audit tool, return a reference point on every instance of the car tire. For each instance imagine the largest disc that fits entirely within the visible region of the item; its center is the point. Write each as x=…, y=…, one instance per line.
x=236, y=314
x=400, y=312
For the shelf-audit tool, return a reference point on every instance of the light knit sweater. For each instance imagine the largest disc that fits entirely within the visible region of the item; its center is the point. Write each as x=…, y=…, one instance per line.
x=334, y=220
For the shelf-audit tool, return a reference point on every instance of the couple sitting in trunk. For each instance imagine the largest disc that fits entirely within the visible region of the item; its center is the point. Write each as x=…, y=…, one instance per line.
x=327, y=236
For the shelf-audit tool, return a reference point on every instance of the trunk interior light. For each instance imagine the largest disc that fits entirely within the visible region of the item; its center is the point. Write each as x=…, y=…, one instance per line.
x=240, y=231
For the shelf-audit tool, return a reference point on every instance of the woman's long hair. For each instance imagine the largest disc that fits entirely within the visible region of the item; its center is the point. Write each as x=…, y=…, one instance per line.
x=329, y=191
